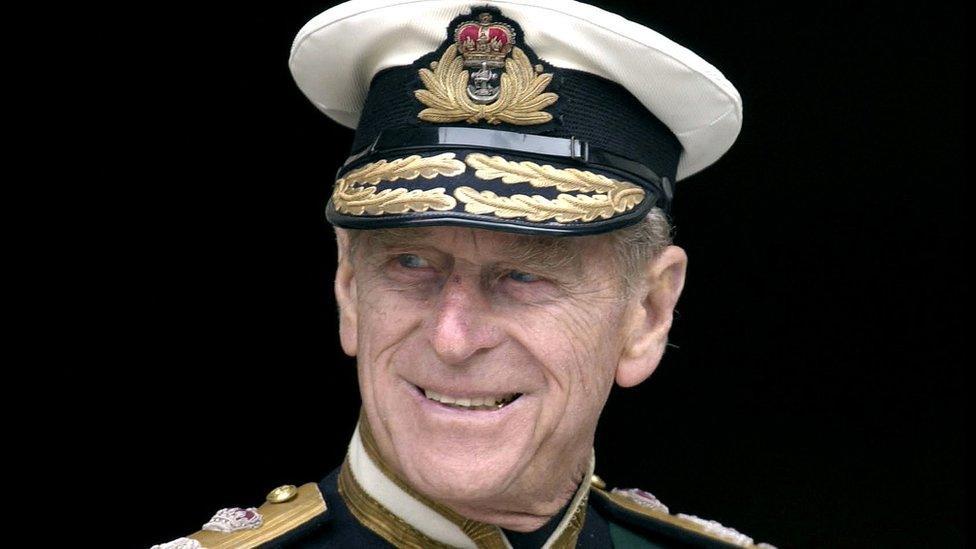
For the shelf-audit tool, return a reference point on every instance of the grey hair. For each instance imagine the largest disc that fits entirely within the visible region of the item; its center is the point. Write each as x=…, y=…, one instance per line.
x=637, y=244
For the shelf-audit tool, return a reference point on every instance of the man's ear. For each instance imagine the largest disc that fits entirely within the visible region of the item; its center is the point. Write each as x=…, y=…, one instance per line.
x=649, y=316
x=345, y=292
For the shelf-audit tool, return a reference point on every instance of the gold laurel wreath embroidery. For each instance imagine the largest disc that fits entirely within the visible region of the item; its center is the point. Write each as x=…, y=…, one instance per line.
x=617, y=197
x=564, y=208
x=520, y=101
x=568, y=179
x=356, y=192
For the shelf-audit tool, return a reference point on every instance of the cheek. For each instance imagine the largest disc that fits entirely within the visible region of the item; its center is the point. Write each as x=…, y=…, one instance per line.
x=385, y=326
x=579, y=348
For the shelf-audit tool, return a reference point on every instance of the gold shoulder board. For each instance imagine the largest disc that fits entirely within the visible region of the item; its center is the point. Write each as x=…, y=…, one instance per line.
x=286, y=508
x=646, y=505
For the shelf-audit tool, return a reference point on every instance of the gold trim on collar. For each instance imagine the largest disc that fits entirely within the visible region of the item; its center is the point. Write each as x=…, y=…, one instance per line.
x=567, y=538
x=279, y=518
x=380, y=520
x=483, y=535
x=392, y=528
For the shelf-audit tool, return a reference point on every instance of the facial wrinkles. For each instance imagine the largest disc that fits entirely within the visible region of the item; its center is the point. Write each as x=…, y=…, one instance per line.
x=475, y=300
x=577, y=319
x=586, y=344
x=576, y=312
x=462, y=305
x=380, y=351
x=593, y=387
x=575, y=308
x=598, y=350
x=584, y=347
x=551, y=255
x=462, y=323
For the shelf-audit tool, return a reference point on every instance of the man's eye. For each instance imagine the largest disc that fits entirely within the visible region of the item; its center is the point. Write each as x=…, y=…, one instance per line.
x=519, y=276
x=412, y=261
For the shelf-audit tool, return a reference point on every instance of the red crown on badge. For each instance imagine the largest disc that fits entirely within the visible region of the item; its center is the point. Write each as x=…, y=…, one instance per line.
x=482, y=41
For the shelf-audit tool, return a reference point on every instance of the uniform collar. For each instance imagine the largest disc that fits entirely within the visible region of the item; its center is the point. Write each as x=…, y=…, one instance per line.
x=385, y=504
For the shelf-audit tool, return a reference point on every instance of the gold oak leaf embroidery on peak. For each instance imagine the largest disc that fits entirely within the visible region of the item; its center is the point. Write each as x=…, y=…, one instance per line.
x=356, y=193
x=564, y=208
x=616, y=196
x=569, y=179
x=520, y=101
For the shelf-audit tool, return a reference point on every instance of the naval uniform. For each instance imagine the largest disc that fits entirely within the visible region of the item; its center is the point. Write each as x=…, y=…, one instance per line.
x=544, y=117
x=363, y=504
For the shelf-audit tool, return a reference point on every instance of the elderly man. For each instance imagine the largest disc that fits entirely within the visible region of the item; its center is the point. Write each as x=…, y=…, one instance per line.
x=504, y=259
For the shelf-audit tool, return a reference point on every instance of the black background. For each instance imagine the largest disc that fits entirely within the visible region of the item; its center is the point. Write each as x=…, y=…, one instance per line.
x=814, y=394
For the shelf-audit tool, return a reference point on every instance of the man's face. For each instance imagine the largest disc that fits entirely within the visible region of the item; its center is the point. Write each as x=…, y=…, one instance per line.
x=485, y=357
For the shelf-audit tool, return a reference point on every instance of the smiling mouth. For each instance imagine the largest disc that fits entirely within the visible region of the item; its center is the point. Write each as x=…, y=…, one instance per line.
x=478, y=403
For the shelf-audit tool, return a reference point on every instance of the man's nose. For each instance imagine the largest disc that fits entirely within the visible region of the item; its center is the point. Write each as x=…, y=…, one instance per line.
x=463, y=323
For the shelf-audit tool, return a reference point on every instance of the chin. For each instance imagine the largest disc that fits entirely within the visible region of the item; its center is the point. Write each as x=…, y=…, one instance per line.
x=460, y=454
x=444, y=473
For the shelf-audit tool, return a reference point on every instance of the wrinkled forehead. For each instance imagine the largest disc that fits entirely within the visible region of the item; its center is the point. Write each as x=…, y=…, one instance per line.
x=480, y=245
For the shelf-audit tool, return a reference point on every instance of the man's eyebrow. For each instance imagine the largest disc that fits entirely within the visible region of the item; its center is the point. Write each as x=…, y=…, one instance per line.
x=395, y=237
x=546, y=254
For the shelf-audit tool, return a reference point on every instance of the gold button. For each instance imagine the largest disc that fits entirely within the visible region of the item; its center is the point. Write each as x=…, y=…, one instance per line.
x=282, y=494
x=598, y=482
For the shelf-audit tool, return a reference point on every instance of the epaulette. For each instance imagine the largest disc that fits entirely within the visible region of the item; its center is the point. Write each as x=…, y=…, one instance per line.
x=285, y=510
x=638, y=519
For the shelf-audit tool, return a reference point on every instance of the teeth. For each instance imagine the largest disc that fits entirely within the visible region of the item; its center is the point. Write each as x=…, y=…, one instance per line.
x=439, y=397
x=473, y=403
